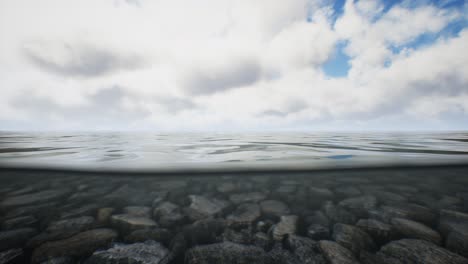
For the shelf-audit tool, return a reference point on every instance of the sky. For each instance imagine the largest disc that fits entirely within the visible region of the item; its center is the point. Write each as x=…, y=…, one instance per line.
x=233, y=65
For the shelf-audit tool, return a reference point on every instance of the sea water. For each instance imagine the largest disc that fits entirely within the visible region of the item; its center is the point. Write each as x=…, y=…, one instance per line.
x=234, y=198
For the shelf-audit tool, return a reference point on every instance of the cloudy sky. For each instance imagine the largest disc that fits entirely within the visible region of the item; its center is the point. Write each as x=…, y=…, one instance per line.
x=233, y=65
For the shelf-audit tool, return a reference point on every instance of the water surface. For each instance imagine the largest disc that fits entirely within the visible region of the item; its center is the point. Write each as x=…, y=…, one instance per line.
x=157, y=151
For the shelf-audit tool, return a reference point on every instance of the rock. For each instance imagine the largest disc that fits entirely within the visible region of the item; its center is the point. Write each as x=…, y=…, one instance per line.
x=85, y=210
x=347, y=191
x=244, y=215
x=33, y=198
x=159, y=197
x=286, y=226
x=59, y=260
x=317, y=217
x=417, y=251
x=274, y=208
x=127, y=223
x=306, y=250
x=202, y=207
x=262, y=240
x=168, y=214
x=334, y=253
x=448, y=202
x=380, y=232
x=366, y=257
x=318, y=232
x=451, y=220
x=104, y=215
x=149, y=252
x=360, y=206
x=62, y=229
x=15, y=238
x=338, y=214
x=457, y=240
x=36, y=210
x=408, y=211
x=226, y=187
x=389, y=197
x=79, y=245
x=352, y=238
x=205, y=231
x=19, y=222
x=412, y=229
x=140, y=211
x=157, y=234
x=240, y=237
x=15, y=255
x=251, y=197
x=320, y=193
x=225, y=252
x=279, y=255
x=264, y=226
x=77, y=224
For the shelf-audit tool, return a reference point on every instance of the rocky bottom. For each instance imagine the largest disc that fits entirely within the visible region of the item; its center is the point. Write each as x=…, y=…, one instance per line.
x=350, y=216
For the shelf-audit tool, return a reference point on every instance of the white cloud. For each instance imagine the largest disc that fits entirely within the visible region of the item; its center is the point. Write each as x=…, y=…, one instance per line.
x=223, y=64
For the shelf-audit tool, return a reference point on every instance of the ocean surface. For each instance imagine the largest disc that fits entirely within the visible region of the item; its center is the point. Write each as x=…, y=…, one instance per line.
x=218, y=151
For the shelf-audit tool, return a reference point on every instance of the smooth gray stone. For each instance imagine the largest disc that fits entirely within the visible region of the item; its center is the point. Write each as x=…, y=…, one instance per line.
x=317, y=217
x=226, y=252
x=226, y=187
x=140, y=211
x=15, y=238
x=360, y=206
x=202, y=207
x=450, y=220
x=127, y=223
x=85, y=210
x=245, y=214
x=242, y=236
x=457, y=241
x=35, y=210
x=412, y=229
x=19, y=222
x=347, y=191
x=317, y=193
x=287, y=225
x=149, y=252
x=168, y=214
x=262, y=240
x=379, y=231
x=389, y=197
x=33, y=198
x=251, y=197
x=337, y=214
x=413, y=212
x=409, y=251
x=15, y=255
x=62, y=229
x=352, y=238
x=334, y=253
x=274, y=208
x=79, y=245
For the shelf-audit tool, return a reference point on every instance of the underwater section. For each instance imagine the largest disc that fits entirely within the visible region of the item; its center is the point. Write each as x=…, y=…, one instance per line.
x=373, y=215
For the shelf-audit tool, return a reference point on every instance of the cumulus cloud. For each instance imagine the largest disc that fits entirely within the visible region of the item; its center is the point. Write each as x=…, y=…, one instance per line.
x=231, y=65
x=78, y=60
x=222, y=77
